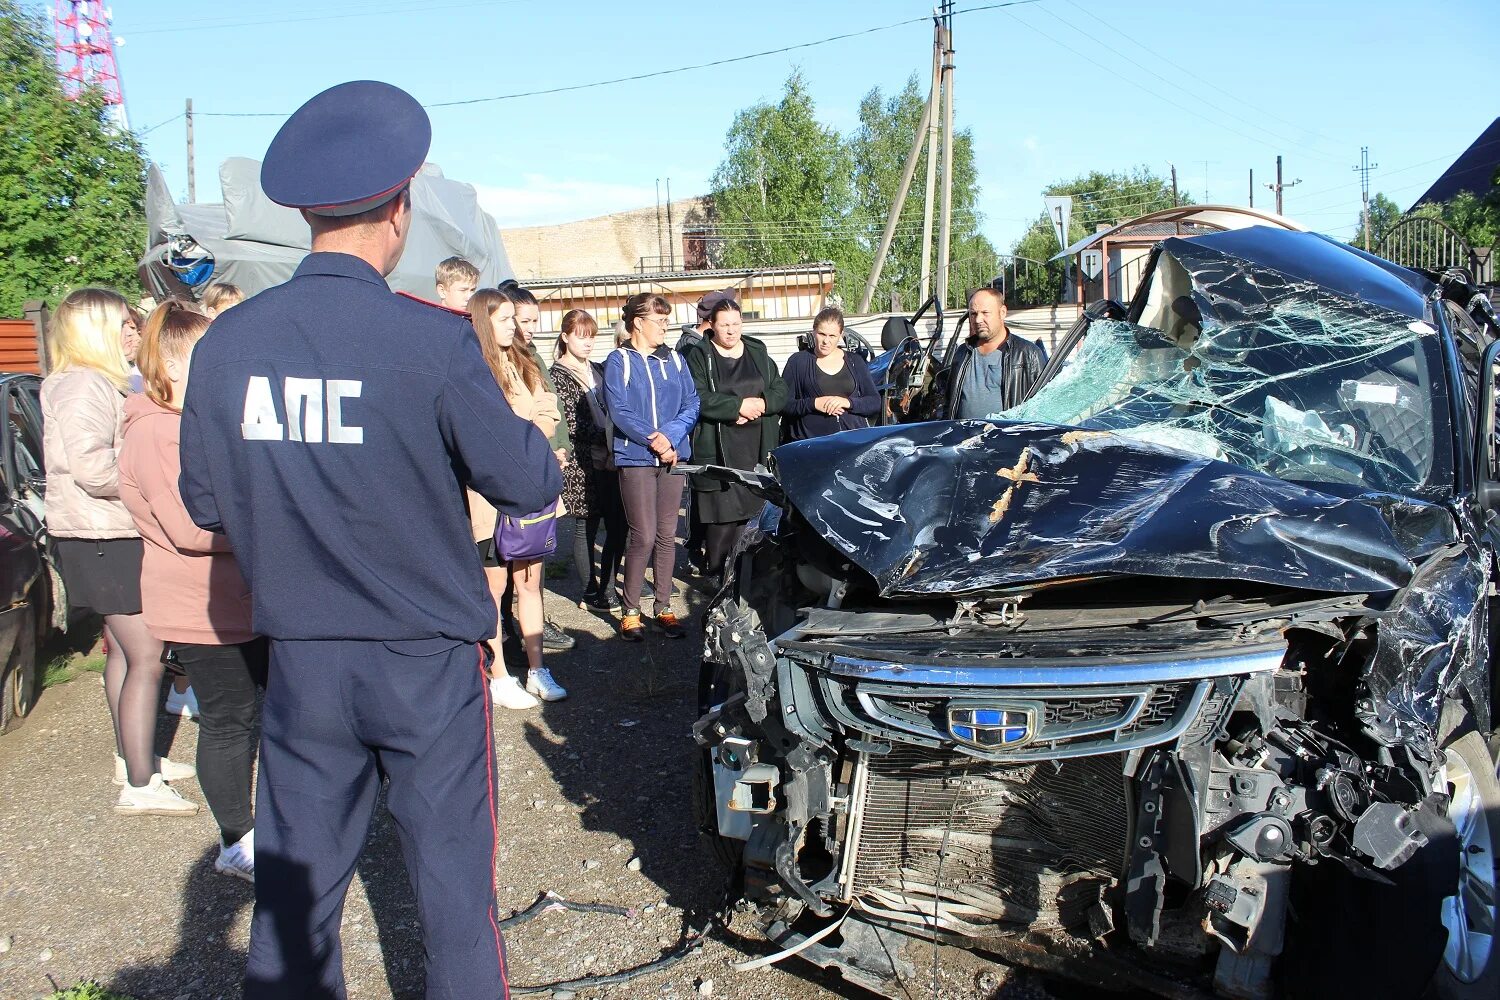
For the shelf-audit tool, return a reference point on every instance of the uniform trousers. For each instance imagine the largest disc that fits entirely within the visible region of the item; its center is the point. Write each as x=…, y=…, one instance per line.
x=338, y=717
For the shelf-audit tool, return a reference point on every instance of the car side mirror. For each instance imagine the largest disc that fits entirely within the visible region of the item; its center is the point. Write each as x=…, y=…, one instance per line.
x=1486, y=451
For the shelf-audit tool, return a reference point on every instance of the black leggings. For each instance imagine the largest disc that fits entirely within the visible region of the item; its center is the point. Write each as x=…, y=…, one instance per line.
x=601, y=576
x=719, y=540
x=227, y=680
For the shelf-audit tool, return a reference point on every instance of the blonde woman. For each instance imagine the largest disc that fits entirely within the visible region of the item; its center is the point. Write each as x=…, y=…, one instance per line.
x=521, y=380
x=96, y=544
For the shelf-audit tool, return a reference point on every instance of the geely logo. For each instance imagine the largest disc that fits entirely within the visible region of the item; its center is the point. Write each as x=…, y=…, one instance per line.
x=993, y=727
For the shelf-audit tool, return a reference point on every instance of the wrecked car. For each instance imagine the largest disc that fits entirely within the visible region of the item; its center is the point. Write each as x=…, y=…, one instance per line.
x=1175, y=678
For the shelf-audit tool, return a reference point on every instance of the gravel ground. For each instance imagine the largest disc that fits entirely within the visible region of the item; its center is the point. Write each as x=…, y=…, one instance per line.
x=587, y=787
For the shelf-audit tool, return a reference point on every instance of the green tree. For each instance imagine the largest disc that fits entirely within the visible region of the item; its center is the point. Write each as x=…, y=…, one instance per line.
x=782, y=193
x=791, y=190
x=1384, y=213
x=72, y=186
x=878, y=148
x=1476, y=217
x=1107, y=198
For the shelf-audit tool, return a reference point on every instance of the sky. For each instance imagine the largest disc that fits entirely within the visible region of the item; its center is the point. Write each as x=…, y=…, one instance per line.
x=1049, y=90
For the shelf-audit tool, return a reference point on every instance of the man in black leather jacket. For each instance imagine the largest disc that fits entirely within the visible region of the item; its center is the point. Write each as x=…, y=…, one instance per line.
x=992, y=370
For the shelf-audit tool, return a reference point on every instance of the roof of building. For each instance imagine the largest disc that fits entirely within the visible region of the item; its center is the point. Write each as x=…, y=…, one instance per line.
x=1474, y=170
x=631, y=277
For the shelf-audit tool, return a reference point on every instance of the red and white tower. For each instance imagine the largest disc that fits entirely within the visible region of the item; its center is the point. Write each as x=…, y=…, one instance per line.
x=86, y=52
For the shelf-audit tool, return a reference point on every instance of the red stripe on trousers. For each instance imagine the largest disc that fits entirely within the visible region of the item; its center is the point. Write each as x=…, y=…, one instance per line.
x=489, y=770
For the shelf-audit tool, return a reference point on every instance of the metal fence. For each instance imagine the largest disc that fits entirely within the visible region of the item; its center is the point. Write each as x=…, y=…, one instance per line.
x=779, y=293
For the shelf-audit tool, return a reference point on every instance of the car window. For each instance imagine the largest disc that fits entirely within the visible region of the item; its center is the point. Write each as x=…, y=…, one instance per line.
x=23, y=425
x=1307, y=391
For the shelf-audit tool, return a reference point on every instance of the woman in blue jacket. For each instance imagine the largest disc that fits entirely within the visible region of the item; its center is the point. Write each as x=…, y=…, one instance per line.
x=653, y=407
x=829, y=388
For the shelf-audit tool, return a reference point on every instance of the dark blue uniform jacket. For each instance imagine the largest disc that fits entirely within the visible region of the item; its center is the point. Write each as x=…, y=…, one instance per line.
x=329, y=429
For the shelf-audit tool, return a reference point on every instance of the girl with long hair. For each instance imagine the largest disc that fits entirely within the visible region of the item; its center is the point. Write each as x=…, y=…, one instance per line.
x=520, y=379
x=96, y=544
x=591, y=487
x=193, y=596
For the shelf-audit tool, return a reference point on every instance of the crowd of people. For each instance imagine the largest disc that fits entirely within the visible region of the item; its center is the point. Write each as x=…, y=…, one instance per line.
x=319, y=537
x=172, y=596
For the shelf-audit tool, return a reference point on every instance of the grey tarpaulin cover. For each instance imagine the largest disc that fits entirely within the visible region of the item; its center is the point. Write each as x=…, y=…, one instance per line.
x=256, y=243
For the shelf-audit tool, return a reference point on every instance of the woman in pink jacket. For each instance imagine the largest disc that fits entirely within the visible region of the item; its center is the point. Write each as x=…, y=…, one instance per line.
x=95, y=543
x=193, y=595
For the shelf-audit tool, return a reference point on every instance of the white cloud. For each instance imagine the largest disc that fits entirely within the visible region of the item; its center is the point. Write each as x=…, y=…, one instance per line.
x=1030, y=143
x=540, y=200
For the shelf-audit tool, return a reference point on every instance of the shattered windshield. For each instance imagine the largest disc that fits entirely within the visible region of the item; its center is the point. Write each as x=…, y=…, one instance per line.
x=1301, y=384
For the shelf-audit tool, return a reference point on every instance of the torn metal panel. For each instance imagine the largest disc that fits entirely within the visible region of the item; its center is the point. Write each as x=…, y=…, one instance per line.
x=1436, y=640
x=942, y=508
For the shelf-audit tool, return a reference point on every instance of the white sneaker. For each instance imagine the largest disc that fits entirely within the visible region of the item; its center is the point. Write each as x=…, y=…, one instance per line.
x=156, y=799
x=238, y=859
x=170, y=770
x=540, y=683
x=506, y=692
x=184, y=704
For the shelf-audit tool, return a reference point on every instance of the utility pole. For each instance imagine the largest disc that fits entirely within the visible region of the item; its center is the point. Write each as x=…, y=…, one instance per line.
x=896, y=205
x=1278, y=187
x=945, y=225
x=934, y=95
x=1174, y=184
x=192, y=171
x=926, y=137
x=660, y=248
x=1363, y=168
x=1252, y=187
x=671, y=242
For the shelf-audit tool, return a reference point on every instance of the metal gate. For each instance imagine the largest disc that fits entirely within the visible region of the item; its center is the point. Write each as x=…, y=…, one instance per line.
x=1429, y=244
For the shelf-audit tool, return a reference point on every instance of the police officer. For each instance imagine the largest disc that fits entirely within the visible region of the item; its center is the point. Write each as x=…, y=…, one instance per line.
x=329, y=431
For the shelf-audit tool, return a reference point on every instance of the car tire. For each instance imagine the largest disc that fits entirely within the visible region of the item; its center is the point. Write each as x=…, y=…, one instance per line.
x=18, y=684
x=1477, y=815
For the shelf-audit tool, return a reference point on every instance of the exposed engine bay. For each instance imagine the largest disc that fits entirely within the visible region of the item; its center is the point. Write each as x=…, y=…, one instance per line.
x=1122, y=706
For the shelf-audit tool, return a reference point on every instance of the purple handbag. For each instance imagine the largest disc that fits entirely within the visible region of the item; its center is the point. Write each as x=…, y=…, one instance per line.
x=530, y=537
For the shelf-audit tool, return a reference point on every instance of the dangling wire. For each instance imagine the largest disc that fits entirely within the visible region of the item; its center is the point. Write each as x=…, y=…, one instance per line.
x=937, y=888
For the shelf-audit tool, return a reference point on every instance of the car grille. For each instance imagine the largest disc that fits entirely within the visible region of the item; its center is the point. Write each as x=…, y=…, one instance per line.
x=1072, y=722
x=1032, y=844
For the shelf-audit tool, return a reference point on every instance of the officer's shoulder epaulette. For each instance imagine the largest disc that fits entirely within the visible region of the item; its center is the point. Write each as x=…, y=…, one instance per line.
x=434, y=305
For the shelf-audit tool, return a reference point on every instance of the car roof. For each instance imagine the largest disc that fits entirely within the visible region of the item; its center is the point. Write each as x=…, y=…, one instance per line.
x=1335, y=266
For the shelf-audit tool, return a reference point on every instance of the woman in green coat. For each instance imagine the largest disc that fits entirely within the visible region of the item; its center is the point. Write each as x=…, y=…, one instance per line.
x=741, y=395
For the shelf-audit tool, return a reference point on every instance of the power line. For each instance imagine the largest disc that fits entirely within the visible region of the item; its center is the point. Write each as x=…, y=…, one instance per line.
x=153, y=128
x=1161, y=97
x=1171, y=83
x=654, y=73
x=1183, y=69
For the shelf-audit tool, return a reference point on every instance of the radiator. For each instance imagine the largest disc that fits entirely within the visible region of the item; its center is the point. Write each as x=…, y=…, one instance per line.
x=1033, y=844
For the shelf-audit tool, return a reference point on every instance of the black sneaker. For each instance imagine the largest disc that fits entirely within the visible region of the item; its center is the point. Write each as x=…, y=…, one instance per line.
x=588, y=597
x=605, y=602
x=555, y=640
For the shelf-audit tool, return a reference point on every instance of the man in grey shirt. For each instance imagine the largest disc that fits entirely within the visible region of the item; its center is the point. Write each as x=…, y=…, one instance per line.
x=993, y=371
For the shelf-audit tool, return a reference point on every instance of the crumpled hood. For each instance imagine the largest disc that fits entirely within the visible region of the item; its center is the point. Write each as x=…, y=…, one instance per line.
x=961, y=506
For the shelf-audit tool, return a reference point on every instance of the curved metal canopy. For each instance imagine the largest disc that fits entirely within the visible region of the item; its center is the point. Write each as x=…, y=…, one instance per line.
x=1222, y=217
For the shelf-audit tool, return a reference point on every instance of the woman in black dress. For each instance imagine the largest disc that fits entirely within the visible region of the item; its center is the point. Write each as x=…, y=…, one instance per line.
x=591, y=487
x=829, y=389
x=741, y=394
